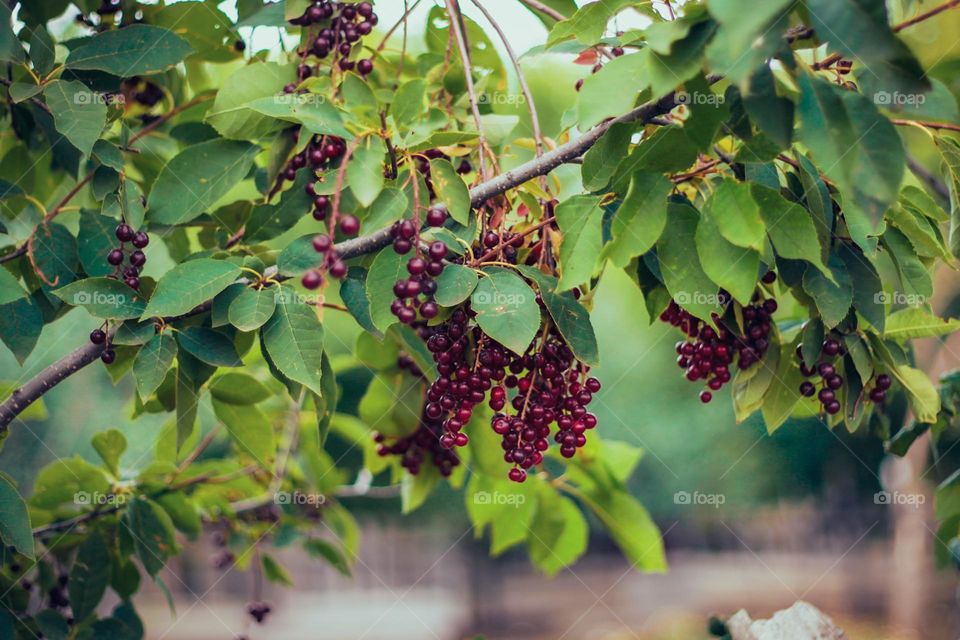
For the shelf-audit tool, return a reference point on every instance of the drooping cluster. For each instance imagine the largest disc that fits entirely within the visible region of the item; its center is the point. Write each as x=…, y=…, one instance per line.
x=708, y=353
x=415, y=294
x=824, y=380
x=341, y=27
x=544, y=386
x=135, y=258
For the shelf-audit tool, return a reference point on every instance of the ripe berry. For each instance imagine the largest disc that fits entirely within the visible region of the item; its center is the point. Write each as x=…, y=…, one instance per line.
x=705, y=397
x=517, y=475
x=321, y=243
x=124, y=232
x=133, y=282
x=807, y=388
x=311, y=280
x=490, y=239
x=416, y=266
x=365, y=66
x=349, y=225
x=338, y=269
x=402, y=246
x=436, y=217
x=878, y=396
x=832, y=407
x=429, y=309
x=884, y=382
x=438, y=250
x=769, y=277
x=97, y=336
x=831, y=347
x=365, y=9
x=137, y=258
x=108, y=356
x=140, y=239
x=115, y=257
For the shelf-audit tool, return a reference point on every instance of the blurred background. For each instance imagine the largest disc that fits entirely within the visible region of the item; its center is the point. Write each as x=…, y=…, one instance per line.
x=749, y=520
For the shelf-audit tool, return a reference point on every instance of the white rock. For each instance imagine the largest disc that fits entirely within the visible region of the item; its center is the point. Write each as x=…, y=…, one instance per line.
x=802, y=621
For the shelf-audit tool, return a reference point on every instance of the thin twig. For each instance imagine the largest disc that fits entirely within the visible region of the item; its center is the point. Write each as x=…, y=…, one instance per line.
x=923, y=16
x=536, y=5
x=453, y=13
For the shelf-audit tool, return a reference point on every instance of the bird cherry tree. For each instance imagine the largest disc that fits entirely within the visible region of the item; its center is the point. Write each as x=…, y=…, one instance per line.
x=208, y=205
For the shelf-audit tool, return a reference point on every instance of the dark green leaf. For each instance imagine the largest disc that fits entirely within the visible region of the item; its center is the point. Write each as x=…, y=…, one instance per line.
x=135, y=50
x=152, y=363
x=294, y=339
x=104, y=298
x=189, y=284
x=15, y=529
x=209, y=346
x=506, y=309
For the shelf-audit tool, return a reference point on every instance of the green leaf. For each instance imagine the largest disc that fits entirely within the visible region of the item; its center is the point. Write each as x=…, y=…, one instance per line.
x=833, y=299
x=731, y=267
x=250, y=429
x=393, y=404
x=110, y=445
x=571, y=317
x=684, y=62
x=587, y=24
x=601, y=160
x=923, y=396
x=580, y=219
x=78, y=113
x=52, y=624
x=773, y=114
x=736, y=215
x=783, y=393
x=325, y=403
x=640, y=219
x=15, y=529
x=152, y=363
x=856, y=146
x=55, y=253
x=867, y=288
x=683, y=274
x=917, y=322
x=455, y=284
x=365, y=171
x=314, y=112
x=558, y=533
x=298, y=256
x=790, y=227
x=152, y=533
x=10, y=288
x=294, y=339
x=274, y=571
x=135, y=50
x=749, y=33
x=189, y=284
x=506, y=309
x=613, y=90
x=353, y=292
x=318, y=548
x=631, y=528
x=387, y=268
x=415, y=489
x=408, y=102
x=195, y=179
x=89, y=575
x=10, y=48
x=104, y=298
x=231, y=114
x=914, y=275
x=182, y=512
x=20, y=326
x=267, y=221
x=451, y=189
x=950, y=153
x=209, y=346
x=95, y=239
x=252, y=308
x=238, y=388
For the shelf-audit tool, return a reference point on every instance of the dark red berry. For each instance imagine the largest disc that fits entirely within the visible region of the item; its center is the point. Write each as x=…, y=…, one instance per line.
x=115, y=257
x=322, y=243
x=141, y=239
x=124, y=232
x=311, y=280
x=884, y=382
x=349, y=225
x=98, y=336
x=436, y=217
x=338, y=269
x=438, y=250
x=365, y=66
x=108, y=356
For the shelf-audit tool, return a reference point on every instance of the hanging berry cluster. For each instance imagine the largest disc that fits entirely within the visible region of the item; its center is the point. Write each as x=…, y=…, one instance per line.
x=547, y=384
x=343, y=25
x=708, y=354
x=425, y=442
x=135, y=257
x=825, y=380
x=415, y=294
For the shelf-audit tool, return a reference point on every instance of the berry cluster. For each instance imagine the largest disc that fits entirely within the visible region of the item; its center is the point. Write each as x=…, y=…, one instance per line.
x=416, y=292
x=709, y=353
x=258, y=610
x=345, y=24
x=547, y=384
x=135, y=259
x=830, y=381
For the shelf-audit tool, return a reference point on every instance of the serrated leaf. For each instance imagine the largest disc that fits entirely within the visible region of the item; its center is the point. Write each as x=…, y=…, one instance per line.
x=152, y=363
x=571, y=318
x=408, y=102
x=252, y=308
x=230, y=114
x=917, y=322
x=78, y=113
x=294, y=339
x=104, y=298
x=196, y=178
x=209, y=346
x=238, y=388
x=506, y=309
x=15, y=529
x=189, y=284
x=134, y=50
x=451, y=190
x=640, y=219
x=10, y=288
x=314, y=112
x=833, y=299
x=388, y=267
x=580, y=219
x=365, y=171
x=455, y=284
x=250, y=429
x=89, y=575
